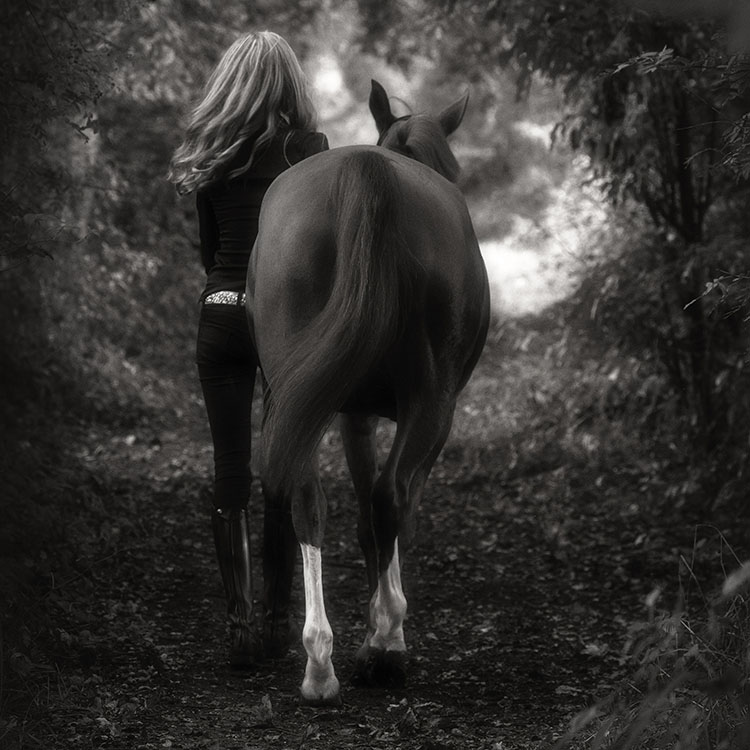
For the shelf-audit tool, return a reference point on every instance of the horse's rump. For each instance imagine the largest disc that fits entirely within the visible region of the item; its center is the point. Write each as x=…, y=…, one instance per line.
x=359, y=310
x=377, y=262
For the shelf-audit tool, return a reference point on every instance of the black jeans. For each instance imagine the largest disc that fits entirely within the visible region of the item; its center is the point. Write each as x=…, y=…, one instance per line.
x=227, y=363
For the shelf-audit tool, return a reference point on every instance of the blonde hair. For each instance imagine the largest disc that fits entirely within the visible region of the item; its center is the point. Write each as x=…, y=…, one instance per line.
x=257, y=86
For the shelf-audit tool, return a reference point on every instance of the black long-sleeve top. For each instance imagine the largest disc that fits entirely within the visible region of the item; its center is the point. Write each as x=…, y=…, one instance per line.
x=228, y=209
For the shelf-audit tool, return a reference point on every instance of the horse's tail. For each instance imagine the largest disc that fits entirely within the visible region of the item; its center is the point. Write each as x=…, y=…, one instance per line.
x=360, y=320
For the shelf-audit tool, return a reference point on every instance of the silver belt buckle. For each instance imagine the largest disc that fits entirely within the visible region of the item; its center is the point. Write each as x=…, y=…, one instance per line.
x=225, y=298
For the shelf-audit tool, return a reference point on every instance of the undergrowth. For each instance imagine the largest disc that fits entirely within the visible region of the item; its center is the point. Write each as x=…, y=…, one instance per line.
x=690, y=667
x=62, y=377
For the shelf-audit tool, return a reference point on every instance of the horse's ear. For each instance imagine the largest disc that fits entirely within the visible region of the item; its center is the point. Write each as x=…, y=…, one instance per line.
x=380, y=107
x=450, y=118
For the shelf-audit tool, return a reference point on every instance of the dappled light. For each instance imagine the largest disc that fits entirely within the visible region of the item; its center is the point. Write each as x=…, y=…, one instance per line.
x=534, y=261
x=539, y=261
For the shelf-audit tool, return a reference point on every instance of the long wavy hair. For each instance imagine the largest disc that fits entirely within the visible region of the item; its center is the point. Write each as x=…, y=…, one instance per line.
x=257, y=87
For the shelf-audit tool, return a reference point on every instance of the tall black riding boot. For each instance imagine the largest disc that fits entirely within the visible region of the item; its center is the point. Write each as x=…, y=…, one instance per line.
x=232, y=537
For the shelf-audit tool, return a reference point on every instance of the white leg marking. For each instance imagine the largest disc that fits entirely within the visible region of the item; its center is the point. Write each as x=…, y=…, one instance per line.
x=320, y=684
x=388, y=609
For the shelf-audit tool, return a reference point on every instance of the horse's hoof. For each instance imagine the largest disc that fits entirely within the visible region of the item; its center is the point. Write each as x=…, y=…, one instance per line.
x=380, y=668
x=245, y=651
x=325, y=694
x=332, y=702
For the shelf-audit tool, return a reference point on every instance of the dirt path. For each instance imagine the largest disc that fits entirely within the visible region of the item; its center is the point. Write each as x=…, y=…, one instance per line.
x=529, y=565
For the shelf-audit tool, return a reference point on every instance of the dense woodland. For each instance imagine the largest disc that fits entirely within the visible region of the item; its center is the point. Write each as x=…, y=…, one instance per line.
x=640, y=376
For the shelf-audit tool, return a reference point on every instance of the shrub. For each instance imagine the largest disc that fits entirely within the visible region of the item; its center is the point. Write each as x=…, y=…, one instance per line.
x=690, y=684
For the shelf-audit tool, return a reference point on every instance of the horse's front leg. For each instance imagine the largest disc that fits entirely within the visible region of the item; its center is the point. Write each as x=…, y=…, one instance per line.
x=320, y=685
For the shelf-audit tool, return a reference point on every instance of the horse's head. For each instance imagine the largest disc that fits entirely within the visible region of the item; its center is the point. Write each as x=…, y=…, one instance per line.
x=421, y=137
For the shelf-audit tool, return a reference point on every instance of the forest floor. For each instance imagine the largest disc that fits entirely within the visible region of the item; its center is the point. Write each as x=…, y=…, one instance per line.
x=537, y=547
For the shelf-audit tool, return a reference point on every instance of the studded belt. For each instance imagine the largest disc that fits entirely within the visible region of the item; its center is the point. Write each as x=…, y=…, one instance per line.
x=225, y=298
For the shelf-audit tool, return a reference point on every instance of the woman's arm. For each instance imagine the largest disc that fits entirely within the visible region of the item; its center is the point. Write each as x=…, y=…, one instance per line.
x=208, y=230
x=314, y=143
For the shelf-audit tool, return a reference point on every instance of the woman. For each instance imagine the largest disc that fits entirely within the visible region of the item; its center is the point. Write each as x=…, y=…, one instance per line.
x=255, y=120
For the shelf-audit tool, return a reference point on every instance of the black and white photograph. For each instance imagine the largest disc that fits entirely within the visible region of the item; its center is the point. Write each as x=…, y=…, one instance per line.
x=375, y=374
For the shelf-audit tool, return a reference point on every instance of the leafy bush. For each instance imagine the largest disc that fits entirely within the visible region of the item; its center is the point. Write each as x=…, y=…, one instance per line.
x=690, y=685
x=637, y=295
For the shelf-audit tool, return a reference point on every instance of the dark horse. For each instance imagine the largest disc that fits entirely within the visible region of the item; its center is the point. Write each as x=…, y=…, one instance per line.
x=368, y=296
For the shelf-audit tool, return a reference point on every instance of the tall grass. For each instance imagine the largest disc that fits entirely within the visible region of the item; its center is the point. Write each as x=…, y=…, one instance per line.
x=689, y=687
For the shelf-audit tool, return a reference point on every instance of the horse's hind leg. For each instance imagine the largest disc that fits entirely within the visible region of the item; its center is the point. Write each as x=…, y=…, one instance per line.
x=358, y=436
x=419, y=438
x=320, y=685
x=279, y=559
